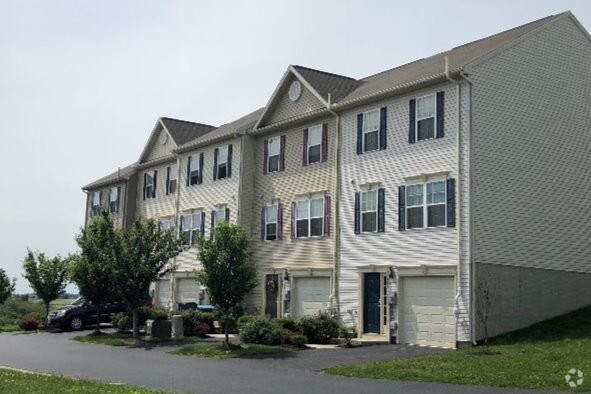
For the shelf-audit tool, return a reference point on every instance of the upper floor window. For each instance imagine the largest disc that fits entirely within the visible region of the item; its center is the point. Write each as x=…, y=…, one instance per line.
x=221, y=214
x=222, y=167
x=96, y=203
x=311, y=217
x=150, y=184
x=195, y=169
x=114, y=199
x=192, y=227
x=425, y=205
x=271, y=222
x=371, y=130
x=369, y=211
x=274, y=154
x=171, y=179
x=426, y=117
x=314, y=148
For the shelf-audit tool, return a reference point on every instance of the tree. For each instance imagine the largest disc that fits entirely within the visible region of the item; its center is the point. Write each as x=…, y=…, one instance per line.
x=48, y=277
x=484, y=298
x=6, y=286
x=141, y=254
x=227, y=270
x=92, y=269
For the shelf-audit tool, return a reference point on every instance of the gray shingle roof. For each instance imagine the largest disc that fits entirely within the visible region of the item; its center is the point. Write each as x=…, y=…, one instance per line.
x=324, y=83
x=121, y=174
x=183, y=131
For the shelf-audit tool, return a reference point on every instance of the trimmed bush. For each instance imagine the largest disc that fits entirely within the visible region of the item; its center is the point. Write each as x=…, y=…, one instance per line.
x=319, y=328
x=261, y=331
x=125, y=323
x=197, y=324
x=347, y=333
x=147, y=313
x=30, y=321
x=243, y=320
x=298, y=340
x=287, y=323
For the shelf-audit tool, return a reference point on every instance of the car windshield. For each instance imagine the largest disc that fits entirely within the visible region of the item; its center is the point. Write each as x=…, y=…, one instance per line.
x=78, y=301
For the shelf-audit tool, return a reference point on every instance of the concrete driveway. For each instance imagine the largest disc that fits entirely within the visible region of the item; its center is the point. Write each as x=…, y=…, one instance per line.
x=154, y=368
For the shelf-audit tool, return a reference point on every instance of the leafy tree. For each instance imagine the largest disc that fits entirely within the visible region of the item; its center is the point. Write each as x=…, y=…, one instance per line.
x=48, y=277
x=227, y=271
x=92, y=269
x=141, y=254
x=6, y=286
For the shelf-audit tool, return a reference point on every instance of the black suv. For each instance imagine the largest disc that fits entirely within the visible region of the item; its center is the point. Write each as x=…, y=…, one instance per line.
x=81, y=313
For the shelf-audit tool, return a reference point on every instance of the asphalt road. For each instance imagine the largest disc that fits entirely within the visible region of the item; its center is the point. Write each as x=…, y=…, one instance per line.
x=154, y=368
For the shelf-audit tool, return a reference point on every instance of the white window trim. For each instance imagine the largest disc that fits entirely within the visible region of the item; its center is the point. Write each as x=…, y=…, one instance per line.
x=168, y=220
x=425, y=205
x=192, y=229
x=309, y=216
x=363, y=131
x=269, y=155
x=116, y=189
x=321, y=129
x=361, y=211
x=434, y=95
x=151, y=184
x=267, y=222
x=94, y=205
x=219, y=209
x=220, y=163
x=194, y=167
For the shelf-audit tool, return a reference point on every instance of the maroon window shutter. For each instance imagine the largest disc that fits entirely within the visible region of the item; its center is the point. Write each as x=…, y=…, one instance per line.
x=263, y=223
x=293, y=220
x=279, y=221
x=324, y=142
x=265, y=156
x=305, y=147
x=327, y=216
x=282, y=153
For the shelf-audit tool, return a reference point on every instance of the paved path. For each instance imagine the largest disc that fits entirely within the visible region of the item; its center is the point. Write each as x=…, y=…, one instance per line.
x=154, y=368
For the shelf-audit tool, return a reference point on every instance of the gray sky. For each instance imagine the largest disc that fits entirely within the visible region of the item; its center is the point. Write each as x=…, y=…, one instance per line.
x=82, y=83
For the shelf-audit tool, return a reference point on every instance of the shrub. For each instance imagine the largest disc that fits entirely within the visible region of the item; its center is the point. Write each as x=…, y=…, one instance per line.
x=319, y=328
x=147, y=313
x=287, y=323
x=30, y=321
x=124, y=323
x=15, y=307
x=347, y=333
x=243, y=320
x=261, y=331
x=197, y=324
x=298, y=340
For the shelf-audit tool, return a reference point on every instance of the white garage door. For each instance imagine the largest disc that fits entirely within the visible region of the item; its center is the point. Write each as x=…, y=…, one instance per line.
x=163, y=287
x=187, y=290
x=310, y=295
x=426, y=311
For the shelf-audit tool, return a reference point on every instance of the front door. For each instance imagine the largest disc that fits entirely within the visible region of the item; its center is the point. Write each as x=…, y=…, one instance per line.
x=371, y=302
x=271, y=294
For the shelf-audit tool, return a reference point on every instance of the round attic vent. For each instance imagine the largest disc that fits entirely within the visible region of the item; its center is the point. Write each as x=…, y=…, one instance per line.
x=163, y=137
x=295, y=90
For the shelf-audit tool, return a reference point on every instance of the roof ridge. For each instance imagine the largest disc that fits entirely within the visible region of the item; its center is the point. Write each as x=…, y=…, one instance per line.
x=324, y=72
x=187, y=121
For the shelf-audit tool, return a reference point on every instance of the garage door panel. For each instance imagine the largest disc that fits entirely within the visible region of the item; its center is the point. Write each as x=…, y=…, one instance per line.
x=310, y=295
x=163, y=292
x=187, y=290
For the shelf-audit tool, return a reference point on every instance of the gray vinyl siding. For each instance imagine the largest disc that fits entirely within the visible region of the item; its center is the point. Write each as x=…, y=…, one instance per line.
x=312, y=255
x=531, y=144
x=130, y=200
x=389, y=168
x=284, y=108
x=157, y=150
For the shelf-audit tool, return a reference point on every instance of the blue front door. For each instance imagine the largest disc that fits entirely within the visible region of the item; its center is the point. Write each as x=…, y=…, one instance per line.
x=371, y=303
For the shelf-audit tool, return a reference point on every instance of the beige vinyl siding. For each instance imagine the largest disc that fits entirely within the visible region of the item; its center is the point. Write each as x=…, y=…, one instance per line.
x=531, y=145
x=157, y=150
x=118, y=218
x=388, y=169
x=284, y=108
x=163, y=205
x=313, y=256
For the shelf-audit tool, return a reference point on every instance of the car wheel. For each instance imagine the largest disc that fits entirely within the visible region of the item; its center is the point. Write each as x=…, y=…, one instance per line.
x=76, y=323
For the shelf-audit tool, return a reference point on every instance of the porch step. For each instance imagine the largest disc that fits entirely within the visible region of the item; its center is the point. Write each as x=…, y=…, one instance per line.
x=370, y=341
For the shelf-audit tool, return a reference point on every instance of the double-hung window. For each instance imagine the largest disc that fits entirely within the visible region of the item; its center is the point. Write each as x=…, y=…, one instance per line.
x=150, y=184
x=315, y=144
x=190, y=227
x=271, y=212
x=219, y=215
x=426, y=205
x=274, y=146
x=222, y=166
x=166, y=224
x=194, y=169
x=114, y=199
x=371, y=130
x=426, y=117
x=171, y=180
x=309, y=217
x=96, y=204
x=369, y=211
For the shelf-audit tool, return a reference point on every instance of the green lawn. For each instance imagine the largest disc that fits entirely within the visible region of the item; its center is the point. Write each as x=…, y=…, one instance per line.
x=9, y=328
x=218, y=350
x=537, y=358
x=126, y=339
x=19, y=382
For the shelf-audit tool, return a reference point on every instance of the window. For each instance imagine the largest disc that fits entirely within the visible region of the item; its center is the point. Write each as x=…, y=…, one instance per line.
x=149, y=184
x=166, y=224
x=114, y=200
x=96, y=204
x=271, y=213
x=194, y=169
x=222, y=162
x=371, y=130
x=274, y=154
x=369, y=211
x=309, y=217
x=315, y=144
x=429, y=211
x=219, y=216
x=171, y=180
x=425, y=117
x=191, y=227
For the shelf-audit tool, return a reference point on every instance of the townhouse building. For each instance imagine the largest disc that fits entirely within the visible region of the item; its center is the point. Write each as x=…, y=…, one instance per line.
x=399, y=199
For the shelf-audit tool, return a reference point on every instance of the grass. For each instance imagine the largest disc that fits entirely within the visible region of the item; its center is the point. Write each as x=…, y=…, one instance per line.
x=236, y=351
x=536, y=358
x=9, y=328
x=20, y=382
x=126, y=339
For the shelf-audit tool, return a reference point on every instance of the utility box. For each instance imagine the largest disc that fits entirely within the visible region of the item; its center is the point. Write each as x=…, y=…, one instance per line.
x=158, y=328
x=177, y=326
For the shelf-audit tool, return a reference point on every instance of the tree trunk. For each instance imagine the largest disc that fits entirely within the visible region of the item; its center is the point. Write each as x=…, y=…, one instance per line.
x=46, y=313
x=136, y=328
x=227, y=343
x=98, y=319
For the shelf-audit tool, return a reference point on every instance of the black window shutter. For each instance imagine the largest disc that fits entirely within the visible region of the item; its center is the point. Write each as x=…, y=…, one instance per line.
x=327, y=216
x=229, y=162
x=189, y=170
x=279, y=221
x=381, y=210
x=451, y=202
x=305, y=149
x=118, y=197
x=324, y=142
x=359, y=134
x=263, y=223
x=412, y=105
x=145, y=179
x=200, y=176
x=202, y=227
x=101, y=199
x=282, y=153
x=167, y=180
x=154, y=188
x=211, y=230
x=401, y=208
x=440, y=114
x=383, y=128
x=215, y=163
x=357, y=213
x=293, y=220
x=227, y=214
x=265, y=156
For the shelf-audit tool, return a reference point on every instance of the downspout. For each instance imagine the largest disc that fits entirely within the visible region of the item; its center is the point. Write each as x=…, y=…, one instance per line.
x=177, y=222
x=336, y=198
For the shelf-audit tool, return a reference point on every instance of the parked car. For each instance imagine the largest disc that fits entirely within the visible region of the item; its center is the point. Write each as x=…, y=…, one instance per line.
x=81, y=313
x=193, y=306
